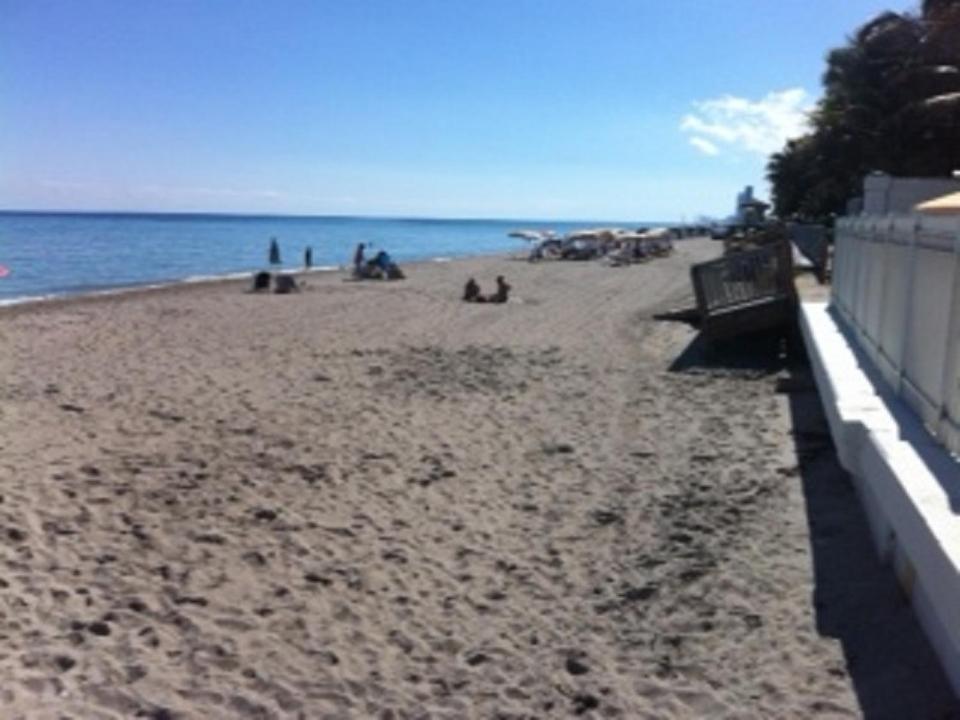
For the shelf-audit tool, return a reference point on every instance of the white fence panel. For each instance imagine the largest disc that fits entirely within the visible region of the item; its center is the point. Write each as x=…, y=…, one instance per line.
x=896, y=281
x=845, y=269
x=875, y=249
x=949, y=428
x=861, y=281
x=893, y=324
x=927, y=329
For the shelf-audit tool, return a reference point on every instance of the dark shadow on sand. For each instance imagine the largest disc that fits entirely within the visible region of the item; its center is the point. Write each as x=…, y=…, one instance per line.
x=857, y=600
x=690, y=316
x=755, y=355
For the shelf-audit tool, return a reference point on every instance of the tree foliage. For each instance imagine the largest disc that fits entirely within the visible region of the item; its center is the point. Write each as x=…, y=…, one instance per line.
x=891, y=102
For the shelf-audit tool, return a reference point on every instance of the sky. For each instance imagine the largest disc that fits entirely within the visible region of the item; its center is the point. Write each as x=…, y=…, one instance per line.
x=541, y=109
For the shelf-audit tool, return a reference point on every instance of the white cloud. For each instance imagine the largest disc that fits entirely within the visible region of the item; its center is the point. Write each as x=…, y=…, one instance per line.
x=756, y=126
x=704, y=146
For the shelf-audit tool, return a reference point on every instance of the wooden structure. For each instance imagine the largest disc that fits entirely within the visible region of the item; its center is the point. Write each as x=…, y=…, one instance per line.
x=745, y=292
x=896, y=284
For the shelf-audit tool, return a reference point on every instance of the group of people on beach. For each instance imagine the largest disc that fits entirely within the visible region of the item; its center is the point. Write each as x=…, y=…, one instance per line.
x=471, y=292
x=381, y=266
x=274, y=254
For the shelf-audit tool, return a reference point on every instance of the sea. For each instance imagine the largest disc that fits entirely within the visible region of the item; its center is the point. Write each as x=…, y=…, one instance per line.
x=51, y=254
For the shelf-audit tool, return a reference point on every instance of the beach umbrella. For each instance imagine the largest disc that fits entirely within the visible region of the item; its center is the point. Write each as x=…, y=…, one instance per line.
x=596, y=234
x=533, y=235
x=529, y=235
x=944, y=205
x=656, y=234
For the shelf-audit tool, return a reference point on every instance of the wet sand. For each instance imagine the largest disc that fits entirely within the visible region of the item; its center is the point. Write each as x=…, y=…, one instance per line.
x=371, y=500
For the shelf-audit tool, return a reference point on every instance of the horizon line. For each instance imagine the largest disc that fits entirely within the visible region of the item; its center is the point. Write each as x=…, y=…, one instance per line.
x=214, y=213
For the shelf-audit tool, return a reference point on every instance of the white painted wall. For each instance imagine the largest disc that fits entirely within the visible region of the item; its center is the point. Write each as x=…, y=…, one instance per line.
x=884, y=194
x=896, y=281
x=907, y=483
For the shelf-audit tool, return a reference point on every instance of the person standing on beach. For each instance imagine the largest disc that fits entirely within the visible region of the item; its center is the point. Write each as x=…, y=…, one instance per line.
x=308, y=257
x=274, y=252
x=358, y=260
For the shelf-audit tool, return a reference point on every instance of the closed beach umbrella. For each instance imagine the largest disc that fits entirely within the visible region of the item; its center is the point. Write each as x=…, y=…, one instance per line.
x=944, y=205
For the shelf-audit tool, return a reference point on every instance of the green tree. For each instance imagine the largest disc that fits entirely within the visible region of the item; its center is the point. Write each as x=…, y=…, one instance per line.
x=891, y=102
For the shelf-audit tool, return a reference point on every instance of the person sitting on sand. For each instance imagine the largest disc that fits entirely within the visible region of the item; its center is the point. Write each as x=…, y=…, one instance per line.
x=285, y=284
x=471, y=291
x=261, y=281
x=383, y=261
x=370, y=270
x=503, y=291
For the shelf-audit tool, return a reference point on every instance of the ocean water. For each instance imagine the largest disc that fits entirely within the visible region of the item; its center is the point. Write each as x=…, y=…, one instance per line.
x=50, y=254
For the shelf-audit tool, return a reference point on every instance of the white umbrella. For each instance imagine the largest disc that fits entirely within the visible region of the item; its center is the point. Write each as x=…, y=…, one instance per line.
x=944, y=205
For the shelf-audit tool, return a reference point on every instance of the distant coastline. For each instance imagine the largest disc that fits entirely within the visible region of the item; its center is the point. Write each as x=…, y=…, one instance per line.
x=65, y=253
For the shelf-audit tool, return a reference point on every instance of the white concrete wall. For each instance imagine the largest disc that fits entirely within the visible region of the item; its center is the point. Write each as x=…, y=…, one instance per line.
x=884, y=194
x=886, y=360
x=908, y=484
x=896, y=282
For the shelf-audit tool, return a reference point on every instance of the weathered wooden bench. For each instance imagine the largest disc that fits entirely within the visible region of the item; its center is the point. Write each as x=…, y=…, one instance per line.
x=745, y=292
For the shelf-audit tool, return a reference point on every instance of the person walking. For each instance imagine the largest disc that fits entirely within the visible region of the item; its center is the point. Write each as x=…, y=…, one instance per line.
x=274, y=252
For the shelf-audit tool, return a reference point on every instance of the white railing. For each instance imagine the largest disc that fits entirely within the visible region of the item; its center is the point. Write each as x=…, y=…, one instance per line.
x=896, y=281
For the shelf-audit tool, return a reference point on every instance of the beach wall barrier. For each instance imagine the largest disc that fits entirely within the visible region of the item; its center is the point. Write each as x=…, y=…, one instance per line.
x=884, y=355
x=896, y=282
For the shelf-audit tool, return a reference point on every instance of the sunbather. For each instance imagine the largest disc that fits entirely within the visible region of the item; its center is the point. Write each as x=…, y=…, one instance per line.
x=503, y=291
x=471, y=291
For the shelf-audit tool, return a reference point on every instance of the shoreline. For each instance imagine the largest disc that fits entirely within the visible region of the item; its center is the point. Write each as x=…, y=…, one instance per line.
x=93, y=295
x=145, y=288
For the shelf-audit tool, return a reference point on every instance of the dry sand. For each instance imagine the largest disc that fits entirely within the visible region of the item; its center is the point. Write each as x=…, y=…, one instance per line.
x=371, y=500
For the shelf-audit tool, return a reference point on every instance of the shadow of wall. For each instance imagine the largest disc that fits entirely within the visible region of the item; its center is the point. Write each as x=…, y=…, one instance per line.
x=857, y=601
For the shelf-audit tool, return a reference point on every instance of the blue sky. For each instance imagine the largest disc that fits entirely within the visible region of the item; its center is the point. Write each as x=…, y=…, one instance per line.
x=593, y=109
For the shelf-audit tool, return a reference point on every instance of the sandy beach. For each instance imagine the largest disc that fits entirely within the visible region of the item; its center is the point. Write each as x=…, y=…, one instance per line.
x=371, y=500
